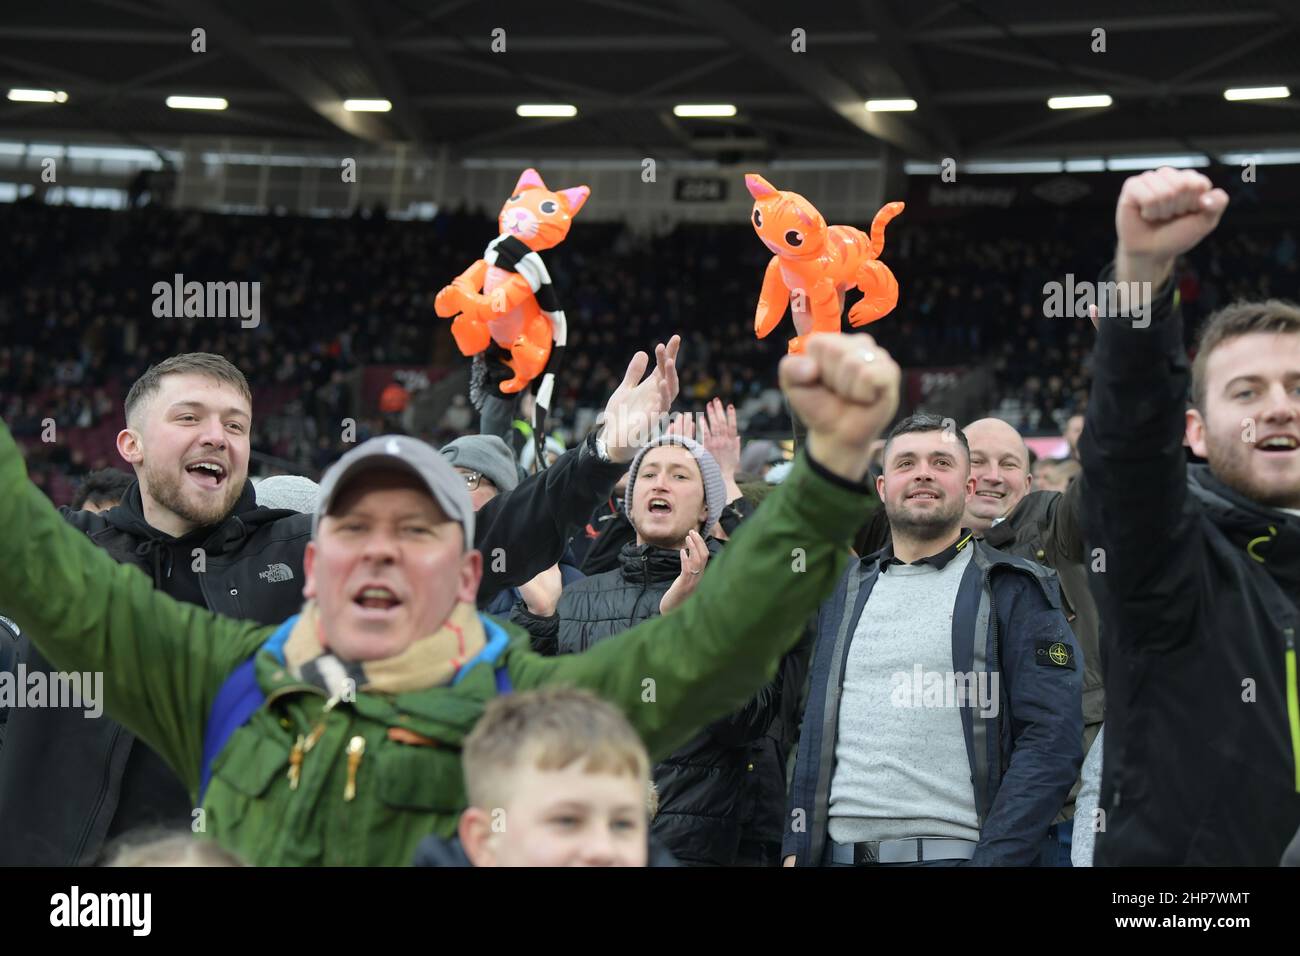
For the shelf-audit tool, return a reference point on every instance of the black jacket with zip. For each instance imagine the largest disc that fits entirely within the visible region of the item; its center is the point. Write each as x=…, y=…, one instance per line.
x=67, y=782
x=1198, y=601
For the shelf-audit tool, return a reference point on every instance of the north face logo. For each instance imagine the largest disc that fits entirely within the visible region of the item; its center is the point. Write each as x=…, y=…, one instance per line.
x=277, y=572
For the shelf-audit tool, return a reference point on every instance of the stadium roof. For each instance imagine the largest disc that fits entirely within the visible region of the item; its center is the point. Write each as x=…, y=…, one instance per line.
x=981, y=74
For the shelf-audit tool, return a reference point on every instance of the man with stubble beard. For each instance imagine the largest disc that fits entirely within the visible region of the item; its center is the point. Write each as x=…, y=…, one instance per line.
x=943, y=724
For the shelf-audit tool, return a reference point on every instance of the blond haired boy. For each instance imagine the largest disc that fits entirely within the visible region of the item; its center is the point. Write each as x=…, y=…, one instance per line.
x=555, y=777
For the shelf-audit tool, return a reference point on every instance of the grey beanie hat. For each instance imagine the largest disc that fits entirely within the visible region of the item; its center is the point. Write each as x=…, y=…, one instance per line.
x=715, y=489
x=294, y=492
x=486, y=454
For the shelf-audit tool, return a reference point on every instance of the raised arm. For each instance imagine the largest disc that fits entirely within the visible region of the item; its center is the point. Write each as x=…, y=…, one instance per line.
x=1134, y=469
x=161, y=661
x=673, y=674
x=523, y=532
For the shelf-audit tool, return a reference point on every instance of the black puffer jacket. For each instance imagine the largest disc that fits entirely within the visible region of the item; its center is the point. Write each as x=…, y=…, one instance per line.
x=701, y=785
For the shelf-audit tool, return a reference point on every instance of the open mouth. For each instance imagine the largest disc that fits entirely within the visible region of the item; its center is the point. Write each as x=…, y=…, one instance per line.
x=659, y=506
x=923, y=496
x=207, y=474
x=376, y=598
x=1278, y=444
x=990, y=494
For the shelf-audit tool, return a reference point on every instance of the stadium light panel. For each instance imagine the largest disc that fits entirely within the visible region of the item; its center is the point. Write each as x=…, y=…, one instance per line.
x=546, y=109
x=698, y=110
x=1257, y=93
x=1078, y=102
x=1267, y=157
x=1130, y=163
x=197, y=102
x=367, y=106
x=38, y=96
x=891, y=106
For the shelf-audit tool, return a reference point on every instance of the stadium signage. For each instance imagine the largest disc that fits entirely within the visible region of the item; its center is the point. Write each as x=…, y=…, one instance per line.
x=971, y=196
x=701, y=189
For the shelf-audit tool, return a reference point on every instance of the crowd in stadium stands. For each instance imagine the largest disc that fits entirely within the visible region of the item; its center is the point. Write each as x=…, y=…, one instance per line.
x=76, y=318
x=431, y=641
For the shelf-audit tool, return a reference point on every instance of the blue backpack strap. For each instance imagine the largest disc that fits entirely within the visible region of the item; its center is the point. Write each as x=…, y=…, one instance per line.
x=492, y=653
x=238, y=699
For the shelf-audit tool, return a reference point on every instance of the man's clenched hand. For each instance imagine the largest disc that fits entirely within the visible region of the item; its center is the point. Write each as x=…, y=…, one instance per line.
x=1161, y=215
x=845, y=389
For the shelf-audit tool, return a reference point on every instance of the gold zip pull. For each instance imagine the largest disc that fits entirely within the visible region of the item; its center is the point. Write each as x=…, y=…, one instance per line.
x=295, y=762
x=319, y=729
x=356, y=748
x=302, y=746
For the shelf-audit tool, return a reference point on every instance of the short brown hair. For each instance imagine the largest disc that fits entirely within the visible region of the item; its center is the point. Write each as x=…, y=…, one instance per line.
x=188, y=363
x=1232, y=321
x=554, y=728
x=156, y=846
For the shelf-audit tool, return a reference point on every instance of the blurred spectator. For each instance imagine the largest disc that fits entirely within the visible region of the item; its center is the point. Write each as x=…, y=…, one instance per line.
x=101, y=490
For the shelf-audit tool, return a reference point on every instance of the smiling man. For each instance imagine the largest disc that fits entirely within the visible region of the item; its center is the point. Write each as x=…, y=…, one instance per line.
x=1201, y=571
x=943, y=721
x=333, y=738
x=192, y=524
x=1042, y=526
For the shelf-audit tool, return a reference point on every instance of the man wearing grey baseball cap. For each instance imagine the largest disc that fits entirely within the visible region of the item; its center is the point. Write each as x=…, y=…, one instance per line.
x=334, y=738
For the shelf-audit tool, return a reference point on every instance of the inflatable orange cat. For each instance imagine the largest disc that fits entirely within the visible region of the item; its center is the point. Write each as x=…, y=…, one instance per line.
x=506, y=297
x=815, y=263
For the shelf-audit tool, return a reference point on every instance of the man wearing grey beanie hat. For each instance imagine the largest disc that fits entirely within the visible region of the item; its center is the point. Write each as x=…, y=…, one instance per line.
x=669, y=534
x=483, y=458
x=675, y=495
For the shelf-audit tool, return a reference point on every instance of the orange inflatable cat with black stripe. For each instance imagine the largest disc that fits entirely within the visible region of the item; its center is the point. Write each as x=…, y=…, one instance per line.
x=506, y=297
x=814, y=264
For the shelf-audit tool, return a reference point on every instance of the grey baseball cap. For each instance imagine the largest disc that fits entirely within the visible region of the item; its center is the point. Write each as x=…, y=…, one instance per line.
x=401, y=452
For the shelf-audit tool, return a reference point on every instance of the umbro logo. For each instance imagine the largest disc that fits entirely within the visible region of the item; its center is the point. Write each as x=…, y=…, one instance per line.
x=277, y=572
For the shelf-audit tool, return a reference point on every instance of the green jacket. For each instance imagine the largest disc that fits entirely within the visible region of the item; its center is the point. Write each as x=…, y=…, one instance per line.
x=163, y=663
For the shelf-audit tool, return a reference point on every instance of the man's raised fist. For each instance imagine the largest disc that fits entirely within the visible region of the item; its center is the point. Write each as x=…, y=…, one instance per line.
x=1160, y=215
x=845, y=389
